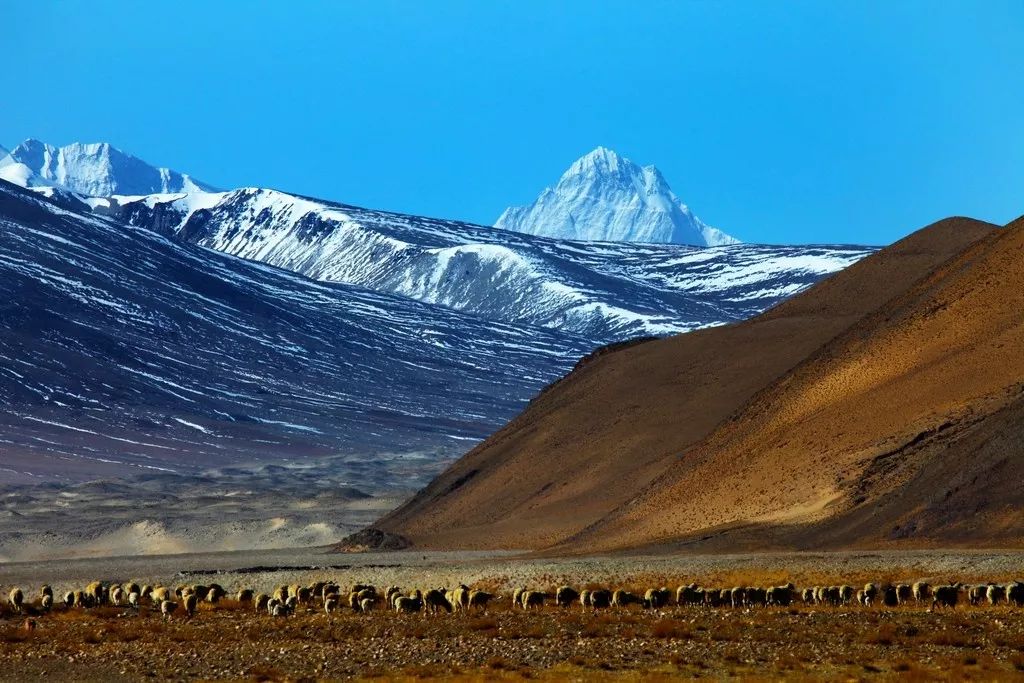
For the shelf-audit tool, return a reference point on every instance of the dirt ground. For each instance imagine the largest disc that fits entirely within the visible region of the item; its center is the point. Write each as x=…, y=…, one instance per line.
x=229, y=641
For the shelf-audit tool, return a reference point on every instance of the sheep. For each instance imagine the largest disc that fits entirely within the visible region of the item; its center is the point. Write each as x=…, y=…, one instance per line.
x=517, y=597
x=435, y=600
x=781, y=596
x=390, y=594
x=715, y=598
x=244, y=595
x=535, y=599
x=280, y=593
x=890, y=597
x=116, y=596
x=870, y=593
x=69, y=599
x=976, y=594
x=689, y=595
x=621, y=598
x=861, y=598
x=146, y=592
x=330, y=589
x=995, y=594
x=565, y=596
x=904, y=593
x=131, y=587
x=585, y=598
x=261, y=601
x=304, y=595
x=45, y=590
x=921, y=590
x=280, y=610
x=16, y=599
x=459, y=597
x=737, y=596
x=47, y=602
x=133, y=600
x=81, y=599
x=946, y=596
x=846, y=594
x=807, y=595
x=656, y=598
x=757, y=596
x=95, y=591
x=291, y=603
x=159, y=594
x=191, y=601
x=479, y=599
x=214, y=593
x=409, y=605
x=330, y=604
x=1015, y=593
x=367, y=604
x=167, y=608
x=601, y=598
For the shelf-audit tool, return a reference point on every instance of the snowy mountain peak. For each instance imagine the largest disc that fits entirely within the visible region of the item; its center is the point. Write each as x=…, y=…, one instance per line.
x=96, y=169
x=604, y=196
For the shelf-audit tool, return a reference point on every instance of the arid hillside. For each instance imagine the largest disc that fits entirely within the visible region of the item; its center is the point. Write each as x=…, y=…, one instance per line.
x=630, y=446
x=907, y=428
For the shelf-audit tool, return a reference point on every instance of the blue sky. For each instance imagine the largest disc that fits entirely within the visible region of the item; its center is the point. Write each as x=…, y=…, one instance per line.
x=778, y=122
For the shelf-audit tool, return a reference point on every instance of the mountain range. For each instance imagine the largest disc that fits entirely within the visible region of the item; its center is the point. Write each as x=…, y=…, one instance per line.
x=606, y=197
x=182, y=326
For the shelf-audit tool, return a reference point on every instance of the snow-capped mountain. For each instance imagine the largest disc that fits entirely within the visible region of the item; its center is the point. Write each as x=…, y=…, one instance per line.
x=606, y=197
x=127, y=341
x=601, y=291
x=122, y=350
x=96, y=169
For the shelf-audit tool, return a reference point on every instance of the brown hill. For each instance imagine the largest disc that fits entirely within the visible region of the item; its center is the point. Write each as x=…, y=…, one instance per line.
x=622, y=419
x=907, y=428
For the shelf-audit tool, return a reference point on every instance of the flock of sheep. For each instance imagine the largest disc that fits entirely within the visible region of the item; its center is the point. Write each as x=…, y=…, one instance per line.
x=363, y=598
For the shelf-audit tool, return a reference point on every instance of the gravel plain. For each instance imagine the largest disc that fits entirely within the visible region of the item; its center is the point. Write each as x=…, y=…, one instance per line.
x=230, y=641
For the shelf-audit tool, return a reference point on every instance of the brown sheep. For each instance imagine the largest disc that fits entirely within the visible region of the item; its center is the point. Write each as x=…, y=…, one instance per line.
x=565, y=596
x=946, y=596
x=435, y=600
x=479, y=599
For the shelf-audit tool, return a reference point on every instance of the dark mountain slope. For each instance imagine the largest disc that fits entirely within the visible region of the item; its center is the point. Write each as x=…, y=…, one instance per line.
x=122, y=349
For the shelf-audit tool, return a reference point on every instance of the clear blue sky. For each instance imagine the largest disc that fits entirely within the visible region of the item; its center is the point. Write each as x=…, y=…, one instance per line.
x=792, y=122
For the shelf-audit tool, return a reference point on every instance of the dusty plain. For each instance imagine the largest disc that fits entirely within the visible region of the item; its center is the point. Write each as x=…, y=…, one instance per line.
x=229, y=642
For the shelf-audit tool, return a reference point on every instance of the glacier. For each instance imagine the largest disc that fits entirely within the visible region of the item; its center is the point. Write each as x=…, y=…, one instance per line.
x=606, y=197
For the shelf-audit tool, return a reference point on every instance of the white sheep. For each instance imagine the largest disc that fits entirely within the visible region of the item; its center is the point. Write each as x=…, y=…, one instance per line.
x=167, y=608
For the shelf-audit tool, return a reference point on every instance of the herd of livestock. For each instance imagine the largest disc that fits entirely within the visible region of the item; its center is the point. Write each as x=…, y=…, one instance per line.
x=362, y=598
